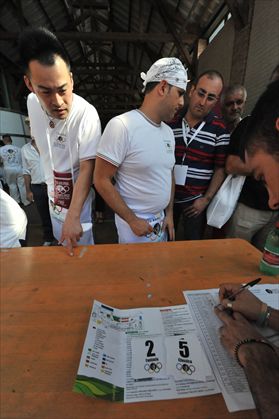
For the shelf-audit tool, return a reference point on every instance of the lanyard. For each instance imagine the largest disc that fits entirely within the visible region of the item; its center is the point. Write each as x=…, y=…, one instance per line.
x=69, y=147
x=187, y=143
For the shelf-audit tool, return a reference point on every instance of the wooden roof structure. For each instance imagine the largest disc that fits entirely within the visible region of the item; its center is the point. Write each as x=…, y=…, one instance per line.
x=110, y=42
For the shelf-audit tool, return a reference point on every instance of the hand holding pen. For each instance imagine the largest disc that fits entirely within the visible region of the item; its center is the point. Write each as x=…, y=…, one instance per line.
x=237, y=298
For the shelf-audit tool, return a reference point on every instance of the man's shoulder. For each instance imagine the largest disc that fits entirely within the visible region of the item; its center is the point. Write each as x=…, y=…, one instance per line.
x=25, y=147
x=127, y=119
x=32, y=99
x=215, y=124
x=176, y=122
x=81, y=105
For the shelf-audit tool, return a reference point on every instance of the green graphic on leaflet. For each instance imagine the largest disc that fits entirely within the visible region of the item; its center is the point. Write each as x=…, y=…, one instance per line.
x=97, y=388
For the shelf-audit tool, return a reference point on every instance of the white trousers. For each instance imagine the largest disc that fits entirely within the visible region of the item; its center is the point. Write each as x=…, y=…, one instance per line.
x=15, y=181
x=58, y=215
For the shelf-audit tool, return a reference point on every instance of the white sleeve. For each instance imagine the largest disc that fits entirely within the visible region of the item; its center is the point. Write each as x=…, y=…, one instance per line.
x=26, y=171
x=114, y=142
x=90, y=134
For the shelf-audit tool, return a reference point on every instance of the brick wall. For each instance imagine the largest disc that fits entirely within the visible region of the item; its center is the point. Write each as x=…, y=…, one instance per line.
x=218, y=54
x=263, y=53
x=247, y=56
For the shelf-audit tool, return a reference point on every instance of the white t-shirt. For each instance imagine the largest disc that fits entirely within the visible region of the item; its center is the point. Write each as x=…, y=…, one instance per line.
x=73, y=139
x=62, y=148
x=143, y=152
x=11, y=156
x=13, y=222
x=31, y=164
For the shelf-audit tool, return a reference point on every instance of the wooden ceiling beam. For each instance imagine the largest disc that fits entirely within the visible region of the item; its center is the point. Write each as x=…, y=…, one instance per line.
x=240, y=12
x=105, y=72
x=176, y=38
x=90, y=4
x=105, y=92
x=111, y=36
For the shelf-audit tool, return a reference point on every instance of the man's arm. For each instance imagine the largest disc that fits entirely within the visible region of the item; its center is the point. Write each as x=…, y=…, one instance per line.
x=72, y=229
x=200, y=204
x=260, y=362
x=103, y=175
x=261, y=367
x=26, y=176
x=29, y=193
x=168, y=221
x=236, y=166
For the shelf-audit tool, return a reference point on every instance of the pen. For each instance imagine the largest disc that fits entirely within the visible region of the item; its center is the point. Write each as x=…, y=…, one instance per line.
x=242, y=288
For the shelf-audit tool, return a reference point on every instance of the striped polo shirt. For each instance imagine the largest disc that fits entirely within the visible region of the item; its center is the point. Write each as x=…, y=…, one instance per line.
x=206, y=150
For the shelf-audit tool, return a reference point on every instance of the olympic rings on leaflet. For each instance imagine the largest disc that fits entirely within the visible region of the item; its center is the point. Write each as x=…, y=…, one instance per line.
x=153, y=367
x=185, y=368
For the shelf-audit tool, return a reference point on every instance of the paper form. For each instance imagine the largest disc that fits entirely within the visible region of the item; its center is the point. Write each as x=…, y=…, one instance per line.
x=230, y=376
x=143, y=354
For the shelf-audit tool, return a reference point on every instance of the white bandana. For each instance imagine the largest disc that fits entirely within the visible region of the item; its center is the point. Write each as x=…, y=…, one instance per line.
x=170, y=69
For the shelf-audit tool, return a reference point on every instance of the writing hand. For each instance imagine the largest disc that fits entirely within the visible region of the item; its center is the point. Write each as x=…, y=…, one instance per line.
x=245, y=302
x=235, y=329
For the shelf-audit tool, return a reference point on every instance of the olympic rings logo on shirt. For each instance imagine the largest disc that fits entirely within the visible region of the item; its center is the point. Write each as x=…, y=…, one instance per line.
x=62, y=189
x=153, y=367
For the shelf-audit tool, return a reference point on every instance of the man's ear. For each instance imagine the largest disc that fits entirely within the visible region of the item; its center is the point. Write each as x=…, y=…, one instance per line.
x=191, y=90
x=163, y=87
x=277, y=124
x=28, y=83
x=72, y=80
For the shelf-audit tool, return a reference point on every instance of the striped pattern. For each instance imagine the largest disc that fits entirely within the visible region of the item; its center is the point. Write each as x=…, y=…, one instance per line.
x=207, y=150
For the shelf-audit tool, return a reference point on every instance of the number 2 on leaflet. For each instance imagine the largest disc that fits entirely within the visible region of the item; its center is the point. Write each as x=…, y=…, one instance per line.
x=150, y=343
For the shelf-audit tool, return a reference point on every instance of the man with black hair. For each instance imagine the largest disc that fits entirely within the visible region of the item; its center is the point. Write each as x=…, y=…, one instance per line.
x=67, y=130
x=201, y=142
x=253, y=217
x=137, y=149
x=262, y=142
x=258, y=357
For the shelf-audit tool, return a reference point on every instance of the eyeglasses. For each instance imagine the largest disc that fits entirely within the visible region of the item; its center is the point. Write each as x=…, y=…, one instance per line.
x=209, y=96
x=232, y=102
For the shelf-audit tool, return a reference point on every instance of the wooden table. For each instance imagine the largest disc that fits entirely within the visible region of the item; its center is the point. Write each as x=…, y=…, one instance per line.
x=46, y=302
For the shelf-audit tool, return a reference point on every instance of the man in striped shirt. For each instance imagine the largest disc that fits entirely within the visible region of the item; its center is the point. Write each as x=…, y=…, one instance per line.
x=200, y=150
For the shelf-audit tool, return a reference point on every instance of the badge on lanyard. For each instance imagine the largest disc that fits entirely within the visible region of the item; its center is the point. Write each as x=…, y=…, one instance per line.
x=63, y=189
x=180, y=173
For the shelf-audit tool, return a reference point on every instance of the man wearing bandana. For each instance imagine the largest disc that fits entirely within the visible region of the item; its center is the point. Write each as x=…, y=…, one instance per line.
x=137, y=150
